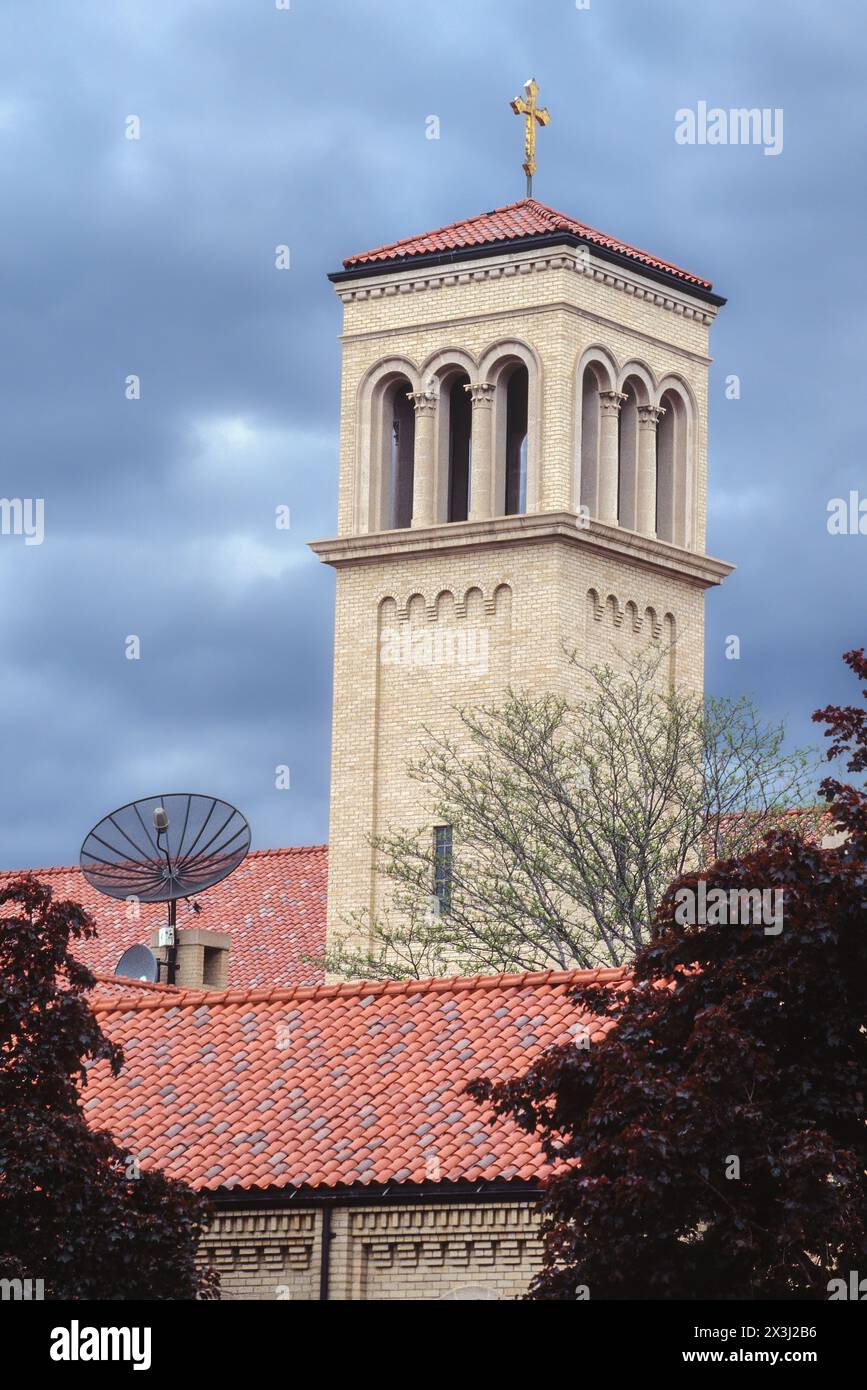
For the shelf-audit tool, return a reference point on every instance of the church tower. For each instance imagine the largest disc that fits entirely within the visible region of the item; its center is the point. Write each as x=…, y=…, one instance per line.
x=523, y=469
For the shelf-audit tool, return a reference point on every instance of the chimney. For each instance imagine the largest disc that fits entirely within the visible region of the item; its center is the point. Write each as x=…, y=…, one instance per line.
x=202, y=958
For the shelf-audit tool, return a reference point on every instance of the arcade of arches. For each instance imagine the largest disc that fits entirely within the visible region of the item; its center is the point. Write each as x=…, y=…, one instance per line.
x=459, y=451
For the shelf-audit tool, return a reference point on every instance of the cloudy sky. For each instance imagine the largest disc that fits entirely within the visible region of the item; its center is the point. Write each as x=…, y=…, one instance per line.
x=262, y=126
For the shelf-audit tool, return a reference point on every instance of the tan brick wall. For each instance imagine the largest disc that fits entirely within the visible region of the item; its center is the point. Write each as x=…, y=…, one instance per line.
x=418, y=1251
x=510, y=614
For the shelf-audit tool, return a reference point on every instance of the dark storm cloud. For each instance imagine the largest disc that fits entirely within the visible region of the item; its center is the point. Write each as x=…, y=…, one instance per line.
x=307, y=127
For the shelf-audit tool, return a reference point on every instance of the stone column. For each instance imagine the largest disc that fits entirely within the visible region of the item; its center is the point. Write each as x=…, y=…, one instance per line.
x=609, y=443
x=424, y=463
x=649, y=417
x=481, y=482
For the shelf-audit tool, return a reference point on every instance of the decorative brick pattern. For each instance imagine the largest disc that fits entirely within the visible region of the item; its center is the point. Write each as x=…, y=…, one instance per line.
x=264, y=1254
x=435, y=1251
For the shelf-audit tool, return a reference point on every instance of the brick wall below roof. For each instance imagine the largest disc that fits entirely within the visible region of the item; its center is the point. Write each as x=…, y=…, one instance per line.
x=434, y=1251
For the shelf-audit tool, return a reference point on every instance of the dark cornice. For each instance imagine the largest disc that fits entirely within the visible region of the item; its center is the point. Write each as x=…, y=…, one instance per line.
x=369, y=1194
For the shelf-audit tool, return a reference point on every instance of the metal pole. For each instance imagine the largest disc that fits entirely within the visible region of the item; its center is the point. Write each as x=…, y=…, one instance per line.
x=172, y=951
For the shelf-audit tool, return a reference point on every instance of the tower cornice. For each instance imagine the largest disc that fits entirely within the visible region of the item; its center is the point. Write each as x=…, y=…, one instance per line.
x=533, y=255
x=700, y=571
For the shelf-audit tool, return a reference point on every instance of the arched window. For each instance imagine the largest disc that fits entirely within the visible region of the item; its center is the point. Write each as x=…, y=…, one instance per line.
x=511, y=374
x=403, y=453
x=460, y=436
x=671, y=471
x=627, y=453
x=517, y=392
x=591, y=384
x=400, y=434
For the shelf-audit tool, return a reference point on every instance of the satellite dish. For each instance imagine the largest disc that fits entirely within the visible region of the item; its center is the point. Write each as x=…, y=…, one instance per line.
x=159, y=849
x=162, y=848
x=138, y=963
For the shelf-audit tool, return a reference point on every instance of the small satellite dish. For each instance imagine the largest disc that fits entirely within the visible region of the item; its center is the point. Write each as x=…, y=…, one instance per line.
x=162, y=848
x=138, y=963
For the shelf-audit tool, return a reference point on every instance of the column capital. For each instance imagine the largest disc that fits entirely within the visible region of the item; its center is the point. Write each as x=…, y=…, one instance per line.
x=482, y=392
x=611, y=401
x=650, y=415
x=424, y=402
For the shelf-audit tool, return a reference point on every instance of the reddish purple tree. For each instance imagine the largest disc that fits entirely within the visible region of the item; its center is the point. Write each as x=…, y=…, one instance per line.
x=714, y=1145
x=72, y=1211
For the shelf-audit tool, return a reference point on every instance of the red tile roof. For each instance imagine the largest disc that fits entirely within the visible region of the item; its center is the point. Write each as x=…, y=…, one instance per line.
x=273, y=907
x=342, y=1084
x=115, y=987
x=513, y=223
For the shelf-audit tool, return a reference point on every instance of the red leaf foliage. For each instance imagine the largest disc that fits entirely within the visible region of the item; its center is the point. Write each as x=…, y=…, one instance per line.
x=71, y=1213
x=734, y=1042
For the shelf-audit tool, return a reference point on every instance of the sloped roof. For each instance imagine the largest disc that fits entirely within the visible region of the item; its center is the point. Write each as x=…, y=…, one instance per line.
x=273, y=908
x=521, y=221
x=121, y=987
x=332, y=1086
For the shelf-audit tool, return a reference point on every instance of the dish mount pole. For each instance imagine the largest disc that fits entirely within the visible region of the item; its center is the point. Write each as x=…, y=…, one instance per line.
x=171, y=960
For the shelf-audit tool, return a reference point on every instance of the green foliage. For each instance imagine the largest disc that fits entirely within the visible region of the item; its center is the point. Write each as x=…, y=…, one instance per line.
x=570, y=820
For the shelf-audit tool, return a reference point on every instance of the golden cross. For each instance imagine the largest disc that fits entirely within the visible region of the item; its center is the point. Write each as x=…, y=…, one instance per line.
x=533, y=113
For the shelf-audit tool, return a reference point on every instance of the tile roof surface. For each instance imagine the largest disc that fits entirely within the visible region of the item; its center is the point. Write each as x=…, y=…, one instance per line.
x=513, y=223
x=340, y=1084
x=273, y=907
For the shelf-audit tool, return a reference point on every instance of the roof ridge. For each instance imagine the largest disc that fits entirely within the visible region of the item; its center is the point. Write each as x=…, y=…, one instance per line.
x=347, y=989
x=125, y=982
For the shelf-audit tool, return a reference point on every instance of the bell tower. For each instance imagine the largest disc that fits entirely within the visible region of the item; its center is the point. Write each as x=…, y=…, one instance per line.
x=523, y=469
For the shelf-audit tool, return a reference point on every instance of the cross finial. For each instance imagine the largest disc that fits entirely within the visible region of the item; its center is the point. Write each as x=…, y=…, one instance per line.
x=526, y=106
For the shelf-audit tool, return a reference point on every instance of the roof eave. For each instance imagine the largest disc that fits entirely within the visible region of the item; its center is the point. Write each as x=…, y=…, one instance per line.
x=373, y=1194
x=430, y=260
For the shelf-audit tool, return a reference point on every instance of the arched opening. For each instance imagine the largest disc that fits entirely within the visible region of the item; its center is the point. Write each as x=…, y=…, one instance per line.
x=400, y=436
x=512, y=373
x=592, y=382
x=627, y=454
x=460, y=438
x=671, y=470
x=517, y=388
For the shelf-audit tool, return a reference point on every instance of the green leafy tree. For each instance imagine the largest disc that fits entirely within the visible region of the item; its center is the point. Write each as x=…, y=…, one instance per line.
x=569, y=820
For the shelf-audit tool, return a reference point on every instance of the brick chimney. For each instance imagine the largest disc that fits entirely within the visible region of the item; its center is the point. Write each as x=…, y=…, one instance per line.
x=202, y=958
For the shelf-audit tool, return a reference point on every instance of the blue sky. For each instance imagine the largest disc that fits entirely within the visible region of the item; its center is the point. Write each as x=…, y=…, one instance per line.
x=306, y=127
